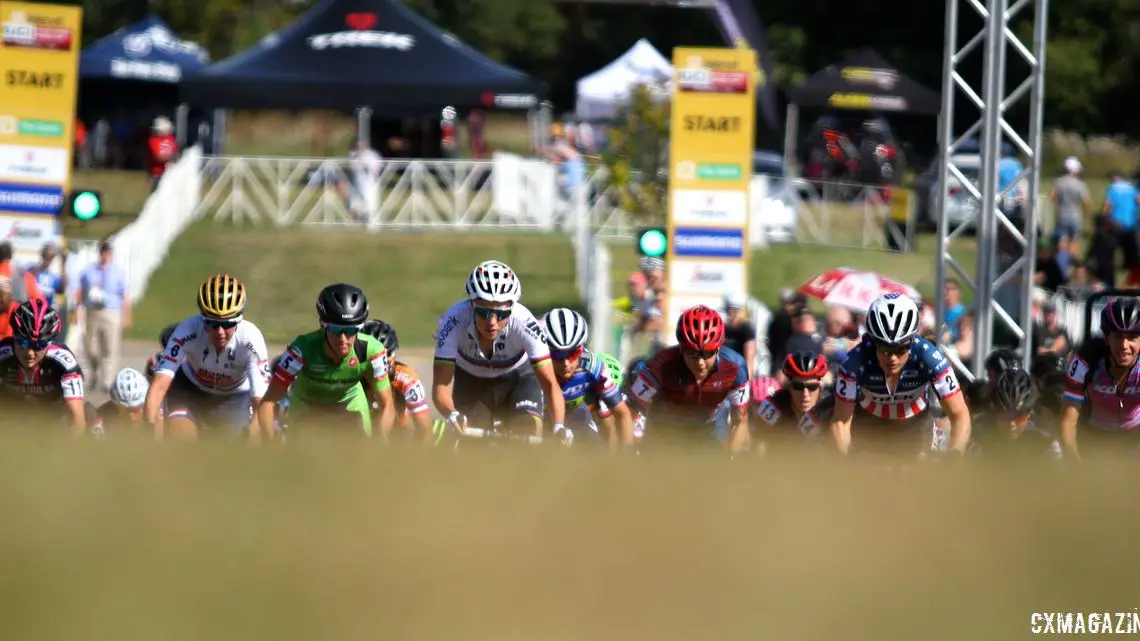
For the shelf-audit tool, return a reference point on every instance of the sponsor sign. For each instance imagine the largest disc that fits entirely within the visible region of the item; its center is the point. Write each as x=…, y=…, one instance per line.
x=717, y=277
x=36, y=26
x=31, y=127
x=710, y=207
x=139, y=45
x=29, y=234
x=39, y=164
x=510, y=100
x=711, y=140
x=710, y=243
x=360, y=33
x=125, y=68
x=842, y=100
x=31, y=199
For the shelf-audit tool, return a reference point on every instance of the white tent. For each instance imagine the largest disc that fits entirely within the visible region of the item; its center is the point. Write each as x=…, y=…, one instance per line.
x=602, y=93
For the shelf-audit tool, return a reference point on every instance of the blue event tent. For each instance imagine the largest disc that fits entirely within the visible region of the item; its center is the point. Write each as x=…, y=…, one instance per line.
x=147, y=51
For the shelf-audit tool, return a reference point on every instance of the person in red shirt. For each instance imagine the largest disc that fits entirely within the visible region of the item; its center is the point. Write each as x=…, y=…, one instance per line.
x=23, y=282
x=161, y=147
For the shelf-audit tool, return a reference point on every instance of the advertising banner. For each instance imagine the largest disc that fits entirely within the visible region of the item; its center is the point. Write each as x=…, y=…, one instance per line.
x=39, y=77
x=710, y=155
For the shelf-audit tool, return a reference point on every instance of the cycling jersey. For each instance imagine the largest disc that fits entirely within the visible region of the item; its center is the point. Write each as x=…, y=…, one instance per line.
x=776, y=412
x=56, y=379
x=241, y=367
x=682, y=398
x=407, y=390
x=1089, y=379
x=861, y=379
x=521, y=340
x=992, y=438
x=592, y=386
x=318, y=382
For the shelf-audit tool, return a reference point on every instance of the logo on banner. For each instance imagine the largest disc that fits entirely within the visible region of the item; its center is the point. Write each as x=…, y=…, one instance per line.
x=33, y=79
x=510, y=100
x=714, y=124
x=711, y=243
x=31, y=199
x=713, y=206
x=36, y=32
x=28, y=234
x=712, y=277
x=361, y=35
x=12, y=126
x=140, y=44
x=36, y=163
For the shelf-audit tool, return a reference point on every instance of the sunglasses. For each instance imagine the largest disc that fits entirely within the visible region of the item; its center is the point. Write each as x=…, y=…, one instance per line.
x=487, y=313
x=895, y=350
x=800, y=386
x=566, y=355
x=343, y=330
x=220, y=324
x=693, y=354
x=30, y=344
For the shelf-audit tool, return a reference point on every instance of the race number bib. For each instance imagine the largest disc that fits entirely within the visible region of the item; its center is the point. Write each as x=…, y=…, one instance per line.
x=845, y=388
x=768, y=412
x=380, y=365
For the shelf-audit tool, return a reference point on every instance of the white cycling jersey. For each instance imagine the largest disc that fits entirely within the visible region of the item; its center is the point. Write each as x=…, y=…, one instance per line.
x=242, y=366
x=522, y=340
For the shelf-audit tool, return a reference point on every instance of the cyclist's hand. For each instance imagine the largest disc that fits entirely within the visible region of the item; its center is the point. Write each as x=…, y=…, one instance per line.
x=564, y=435
x=457, y=421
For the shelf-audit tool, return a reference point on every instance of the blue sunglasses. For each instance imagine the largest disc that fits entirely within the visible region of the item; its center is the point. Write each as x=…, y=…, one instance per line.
x=345, y=330
x=30, y=344
x=487, y=313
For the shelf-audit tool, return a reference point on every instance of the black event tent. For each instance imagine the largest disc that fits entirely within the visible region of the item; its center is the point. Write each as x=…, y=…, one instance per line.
x=345, y=54
x=865, y=81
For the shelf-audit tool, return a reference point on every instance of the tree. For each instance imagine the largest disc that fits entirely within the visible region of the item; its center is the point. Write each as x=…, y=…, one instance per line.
x=638, y=154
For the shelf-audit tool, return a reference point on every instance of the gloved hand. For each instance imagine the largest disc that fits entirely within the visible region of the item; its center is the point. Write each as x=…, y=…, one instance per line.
x=457, y=421
x=565, y=436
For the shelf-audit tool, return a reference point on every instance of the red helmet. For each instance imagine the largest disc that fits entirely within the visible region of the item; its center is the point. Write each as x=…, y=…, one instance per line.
x=700, y=328
x=35, y=321
x=805, y=365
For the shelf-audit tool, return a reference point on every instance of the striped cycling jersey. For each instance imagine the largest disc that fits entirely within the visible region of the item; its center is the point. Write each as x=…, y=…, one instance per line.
x=861, y=379
x=1108, y=410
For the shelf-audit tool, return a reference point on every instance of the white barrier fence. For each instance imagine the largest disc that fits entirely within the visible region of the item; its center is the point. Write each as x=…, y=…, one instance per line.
x=140, y=247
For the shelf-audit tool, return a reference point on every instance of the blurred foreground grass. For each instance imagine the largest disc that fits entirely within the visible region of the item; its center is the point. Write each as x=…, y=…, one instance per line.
x=138, y=541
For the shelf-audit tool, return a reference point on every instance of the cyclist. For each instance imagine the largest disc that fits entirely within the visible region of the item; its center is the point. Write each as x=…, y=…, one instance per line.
x=887, y=379
x=788, y=412
x=214, y=369
x=1049, y=374
x=998, y=362
x=633, y=370
x=329, y=369
x=693, y=379
x=1104, y=373
x=124, y=412
x=163, y=339
x=1017, y=424
x=39, y=377
x=589, y=386
x=407, y=389
x=483, y=346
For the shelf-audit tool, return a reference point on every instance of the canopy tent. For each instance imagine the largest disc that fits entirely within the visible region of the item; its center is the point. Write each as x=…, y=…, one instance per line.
x=602, y=93
x=344, y=54
x=147, y=52
x=865, y=81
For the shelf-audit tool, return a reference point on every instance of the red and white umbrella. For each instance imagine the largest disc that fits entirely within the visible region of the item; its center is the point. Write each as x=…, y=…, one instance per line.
x=853, y=289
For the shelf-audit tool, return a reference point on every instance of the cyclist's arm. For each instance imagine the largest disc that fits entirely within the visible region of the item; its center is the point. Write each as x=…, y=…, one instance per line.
x=156, y=394
x=612, y=410
x=257, y=371
x=553, y=392
x=738, y=401
x=1074, y=397
x=289, y=367
x=382, y=391
x=168, y=363
x=443, y=369
x=416, y=404
x=953, y=402
x=71, y=384
x=1070, y=416
x=844, y=410
x=623, y=418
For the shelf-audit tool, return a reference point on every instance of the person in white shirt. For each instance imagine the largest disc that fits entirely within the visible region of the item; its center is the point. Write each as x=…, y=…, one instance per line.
x=365, y=164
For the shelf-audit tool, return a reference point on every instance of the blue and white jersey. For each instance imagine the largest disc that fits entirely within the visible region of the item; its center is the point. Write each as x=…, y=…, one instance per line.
x=591, y=386
x=861, y=379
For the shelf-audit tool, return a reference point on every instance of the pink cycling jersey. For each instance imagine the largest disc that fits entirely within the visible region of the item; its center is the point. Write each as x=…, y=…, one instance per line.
x=1108, y=410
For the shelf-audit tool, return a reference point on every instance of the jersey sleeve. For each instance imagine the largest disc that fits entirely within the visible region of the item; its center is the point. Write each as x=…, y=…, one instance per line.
x=71, y=376
x=447, y=339
x=847, y=378
x=290, y=364
x=174, y=353
x=942, y=377
x=378, y=365
x=257, y=362
x=605, y=388
x=738, y=395
x=534, y=339
x=647, y=383
x=411, y=387
x=1075, y=380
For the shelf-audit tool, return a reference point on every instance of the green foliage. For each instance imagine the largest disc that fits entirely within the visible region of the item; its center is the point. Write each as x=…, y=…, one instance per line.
x=637, y=155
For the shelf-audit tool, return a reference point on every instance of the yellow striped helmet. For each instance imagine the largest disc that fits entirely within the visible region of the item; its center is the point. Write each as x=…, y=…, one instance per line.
x=221, y=297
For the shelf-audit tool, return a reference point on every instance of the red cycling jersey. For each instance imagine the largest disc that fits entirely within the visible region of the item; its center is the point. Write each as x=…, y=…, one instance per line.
x=667, y=383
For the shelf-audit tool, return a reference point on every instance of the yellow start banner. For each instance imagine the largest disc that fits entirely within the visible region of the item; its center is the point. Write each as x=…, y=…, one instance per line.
x=710, y=160
x=39, y=68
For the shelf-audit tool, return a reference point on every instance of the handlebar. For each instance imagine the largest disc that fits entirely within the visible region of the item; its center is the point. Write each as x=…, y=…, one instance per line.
x=477, y=432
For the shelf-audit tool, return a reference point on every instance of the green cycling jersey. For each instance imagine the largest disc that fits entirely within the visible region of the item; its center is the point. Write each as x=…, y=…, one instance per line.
x=319, y=384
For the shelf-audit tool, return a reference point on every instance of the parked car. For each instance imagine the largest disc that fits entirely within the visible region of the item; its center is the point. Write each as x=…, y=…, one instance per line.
x=960, y=205
x=774, y=209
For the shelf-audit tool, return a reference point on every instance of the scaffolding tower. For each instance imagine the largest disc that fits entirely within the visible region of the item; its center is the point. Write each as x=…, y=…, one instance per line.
x=1002, y=283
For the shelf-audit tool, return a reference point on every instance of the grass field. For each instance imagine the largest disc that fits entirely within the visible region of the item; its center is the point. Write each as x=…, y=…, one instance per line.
x=412, y=278
x=136, y=542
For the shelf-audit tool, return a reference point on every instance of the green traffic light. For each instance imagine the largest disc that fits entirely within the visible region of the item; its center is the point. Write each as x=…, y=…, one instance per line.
x=653, y=243
x=86, y=205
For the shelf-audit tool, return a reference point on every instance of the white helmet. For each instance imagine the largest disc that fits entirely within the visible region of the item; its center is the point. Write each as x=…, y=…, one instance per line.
x=129, y=389
x=893, y=319
x=494, y=281
x=565, y=329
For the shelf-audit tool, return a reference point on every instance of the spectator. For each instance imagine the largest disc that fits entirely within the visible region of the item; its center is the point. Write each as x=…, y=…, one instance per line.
x=1082, y=283
x=571, y=166
x=366, y=164
x=82, y=151
x=1120, y=203
x=7, y=304
x=103, y=294
x=780, y=325
x=647, y=293
x=49, y=282
x=839, y=326
x=1063, y=254
x=1049, y=338
x=475, y=137
x=964, y=343
x=23, y=283
x=739, y=332
x=161, y=149
x=955, y=310
x=1009, y=175
x=1071, y=196
x=1101, y=256
x=1048, y=275
x=805, y=334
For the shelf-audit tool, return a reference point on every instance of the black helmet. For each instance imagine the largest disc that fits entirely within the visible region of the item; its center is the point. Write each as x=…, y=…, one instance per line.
x=1002, y=360
x=167, y=332
x=384, y=333
x=342, y=304
x=1016, y=393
